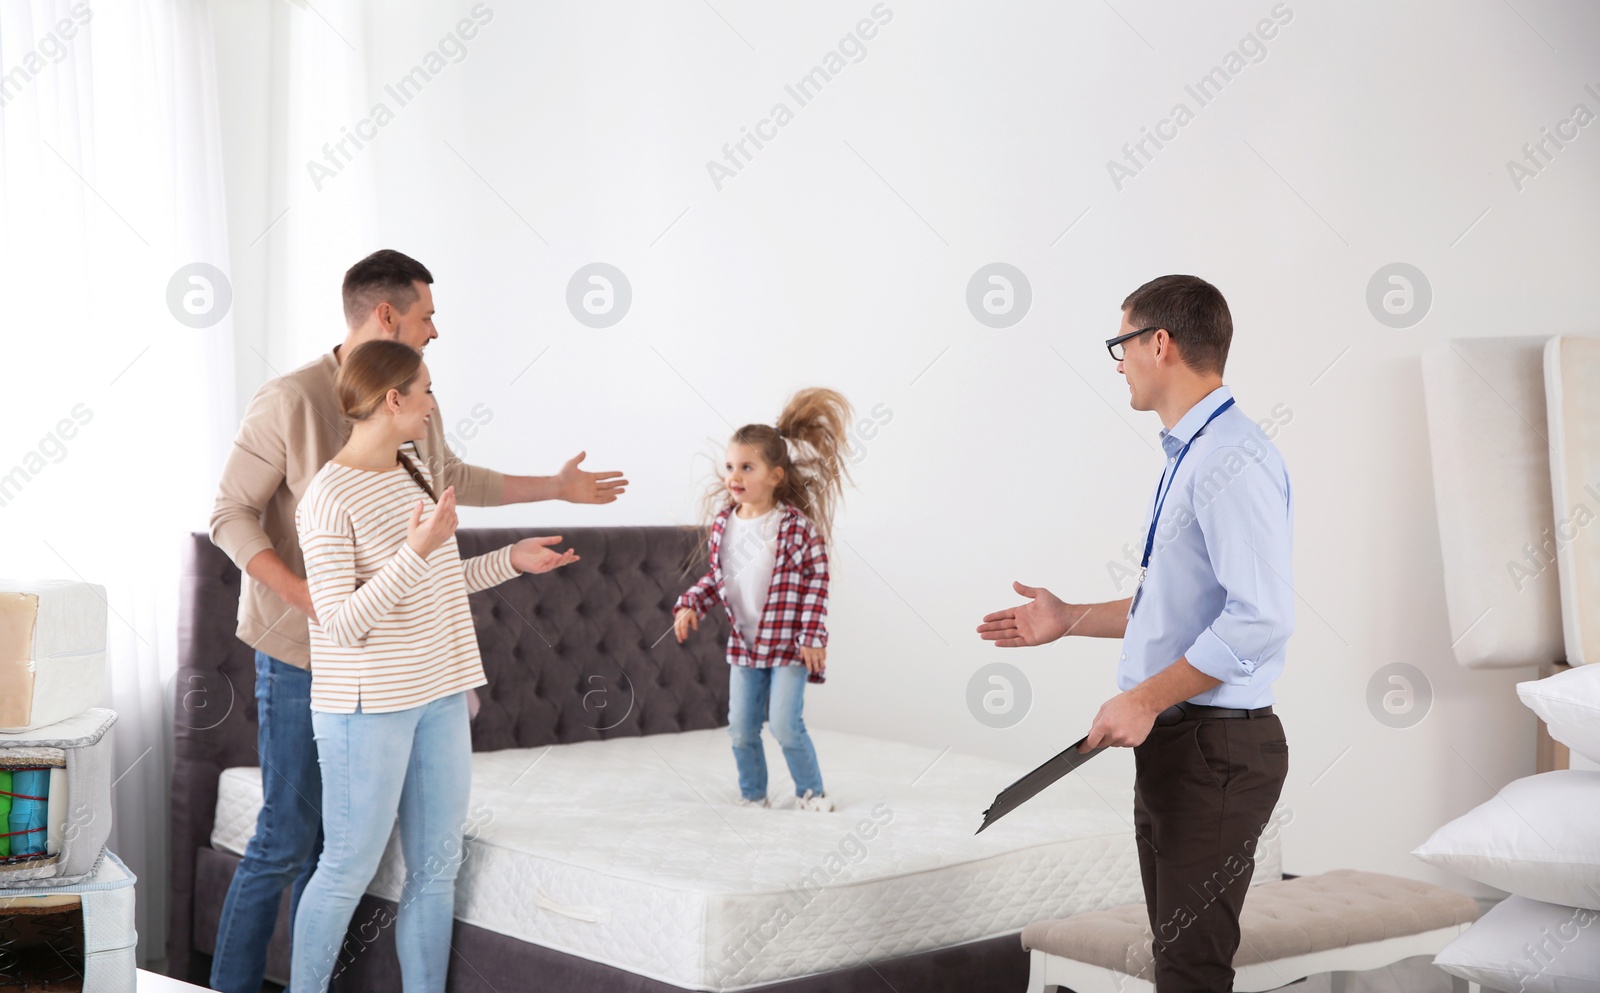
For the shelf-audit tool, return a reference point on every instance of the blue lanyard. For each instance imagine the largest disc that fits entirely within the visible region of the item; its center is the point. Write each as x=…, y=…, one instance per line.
x=1162, y=491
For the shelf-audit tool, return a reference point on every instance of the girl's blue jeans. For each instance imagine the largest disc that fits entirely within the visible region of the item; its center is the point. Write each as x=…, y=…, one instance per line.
x=775, y=696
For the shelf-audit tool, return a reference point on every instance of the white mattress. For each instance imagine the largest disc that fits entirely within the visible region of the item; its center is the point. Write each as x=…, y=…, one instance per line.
x=52, y=651
x=1571, y=370
x=632, y=852
x=1491, y=485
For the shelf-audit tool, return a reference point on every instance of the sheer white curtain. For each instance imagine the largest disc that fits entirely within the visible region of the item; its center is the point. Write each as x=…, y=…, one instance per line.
x=117, y=409
x=330, y=219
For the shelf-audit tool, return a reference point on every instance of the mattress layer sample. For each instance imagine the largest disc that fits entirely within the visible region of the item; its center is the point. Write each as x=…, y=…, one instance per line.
x=633, y=852
x=61, y=781
x=80, y=932
x=1572, y=395
x=52, y=651
x=1491, y=470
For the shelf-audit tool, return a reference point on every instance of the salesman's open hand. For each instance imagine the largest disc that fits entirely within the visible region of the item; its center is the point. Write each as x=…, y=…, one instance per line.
x=1123, y=722
x=1041, y=620
x=578, y=486
x=535, y=555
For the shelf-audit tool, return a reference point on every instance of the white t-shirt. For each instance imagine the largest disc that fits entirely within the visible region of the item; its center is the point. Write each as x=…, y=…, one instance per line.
x=749, y=554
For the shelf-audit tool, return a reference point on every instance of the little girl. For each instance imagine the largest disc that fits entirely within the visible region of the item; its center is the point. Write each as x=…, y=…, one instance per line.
x=393, y=652
x=770, y=521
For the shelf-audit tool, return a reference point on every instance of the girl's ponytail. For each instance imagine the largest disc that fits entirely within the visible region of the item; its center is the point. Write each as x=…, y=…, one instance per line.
x=810, y=444
x=814, y=432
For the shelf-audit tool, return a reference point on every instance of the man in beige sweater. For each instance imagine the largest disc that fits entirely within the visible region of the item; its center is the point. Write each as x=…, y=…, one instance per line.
x=291, y=428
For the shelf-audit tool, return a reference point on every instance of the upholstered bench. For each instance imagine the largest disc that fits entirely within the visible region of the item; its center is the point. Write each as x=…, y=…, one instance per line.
x=1340, y=922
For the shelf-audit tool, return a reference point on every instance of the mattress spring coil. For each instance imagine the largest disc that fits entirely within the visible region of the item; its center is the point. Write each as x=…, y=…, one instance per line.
x=19, y=836
x=41, y=949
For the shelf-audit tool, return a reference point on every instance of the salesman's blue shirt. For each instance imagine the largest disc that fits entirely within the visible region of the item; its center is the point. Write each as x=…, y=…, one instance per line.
x=1218, y=590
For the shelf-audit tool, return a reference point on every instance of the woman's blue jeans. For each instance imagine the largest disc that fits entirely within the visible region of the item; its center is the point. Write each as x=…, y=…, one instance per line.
x=416, y=764
x=775, y=695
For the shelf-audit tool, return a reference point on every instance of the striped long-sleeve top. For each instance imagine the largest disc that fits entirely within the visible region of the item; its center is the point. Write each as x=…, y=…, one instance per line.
x=393, y=629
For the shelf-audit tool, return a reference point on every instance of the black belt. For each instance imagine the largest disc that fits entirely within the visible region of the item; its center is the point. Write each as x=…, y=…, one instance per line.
x=1194, y=712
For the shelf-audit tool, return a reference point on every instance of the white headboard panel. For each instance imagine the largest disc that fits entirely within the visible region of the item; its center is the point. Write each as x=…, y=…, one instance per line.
x=1572, y=387
x=1491, y=482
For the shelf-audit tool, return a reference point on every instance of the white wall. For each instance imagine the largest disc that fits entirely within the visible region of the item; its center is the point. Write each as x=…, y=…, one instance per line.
x=1370, y=133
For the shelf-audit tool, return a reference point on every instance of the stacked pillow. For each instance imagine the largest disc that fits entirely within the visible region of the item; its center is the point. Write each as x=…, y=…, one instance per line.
x=1538, y=839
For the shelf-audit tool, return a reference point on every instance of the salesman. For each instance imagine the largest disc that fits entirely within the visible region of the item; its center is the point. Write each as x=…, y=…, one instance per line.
x=1203, y=635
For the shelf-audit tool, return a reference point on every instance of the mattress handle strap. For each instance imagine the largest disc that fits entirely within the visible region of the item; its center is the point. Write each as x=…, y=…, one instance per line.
x=591, y=915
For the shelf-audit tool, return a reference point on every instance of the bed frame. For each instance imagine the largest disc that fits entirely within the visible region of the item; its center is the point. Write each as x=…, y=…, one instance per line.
x=548, y=643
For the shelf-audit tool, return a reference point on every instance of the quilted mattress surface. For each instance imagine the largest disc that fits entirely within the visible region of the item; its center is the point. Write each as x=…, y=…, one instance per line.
x=632, y=852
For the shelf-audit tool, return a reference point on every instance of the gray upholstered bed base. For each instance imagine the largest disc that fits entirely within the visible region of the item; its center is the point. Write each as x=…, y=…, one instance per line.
x=545, y=640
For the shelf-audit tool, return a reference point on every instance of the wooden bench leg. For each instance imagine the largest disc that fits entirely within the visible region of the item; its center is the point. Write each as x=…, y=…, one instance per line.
x=1036, y=970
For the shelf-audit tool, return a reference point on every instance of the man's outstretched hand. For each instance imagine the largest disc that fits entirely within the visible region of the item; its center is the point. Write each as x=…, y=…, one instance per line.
x=1040, y=621
x=579, y=486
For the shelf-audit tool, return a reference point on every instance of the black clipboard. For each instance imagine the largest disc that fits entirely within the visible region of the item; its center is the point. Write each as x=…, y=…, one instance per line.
x=1034, y=783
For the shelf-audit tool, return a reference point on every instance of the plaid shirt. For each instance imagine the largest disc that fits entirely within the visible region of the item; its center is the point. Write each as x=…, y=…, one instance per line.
x=796, y=613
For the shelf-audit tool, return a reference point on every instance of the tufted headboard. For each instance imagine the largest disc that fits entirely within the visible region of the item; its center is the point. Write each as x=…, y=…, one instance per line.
x=582, y=653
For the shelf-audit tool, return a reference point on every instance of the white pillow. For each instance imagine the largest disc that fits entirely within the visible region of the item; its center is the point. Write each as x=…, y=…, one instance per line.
x=1570, y=704
x=1525, y=945
x=1539, y=838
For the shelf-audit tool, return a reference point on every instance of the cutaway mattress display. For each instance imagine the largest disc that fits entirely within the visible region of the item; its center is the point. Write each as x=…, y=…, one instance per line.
x=55, y=800
x=1572, y=393
x=52, y=651
x=633, y=852
x=1491, y=485
x=74, y=936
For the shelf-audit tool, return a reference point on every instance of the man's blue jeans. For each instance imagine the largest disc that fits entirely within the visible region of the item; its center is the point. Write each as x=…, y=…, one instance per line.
x=288, y=830
x=775, y=696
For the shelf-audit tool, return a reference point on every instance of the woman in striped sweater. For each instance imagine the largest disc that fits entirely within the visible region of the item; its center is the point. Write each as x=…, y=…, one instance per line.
x=393, y=652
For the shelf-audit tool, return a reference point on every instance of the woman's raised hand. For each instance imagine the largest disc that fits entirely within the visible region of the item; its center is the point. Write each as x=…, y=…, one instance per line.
x=534, y=554
x=425, y=537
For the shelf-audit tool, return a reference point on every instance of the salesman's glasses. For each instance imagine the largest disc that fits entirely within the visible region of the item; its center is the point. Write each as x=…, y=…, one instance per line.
x=1114, y=345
